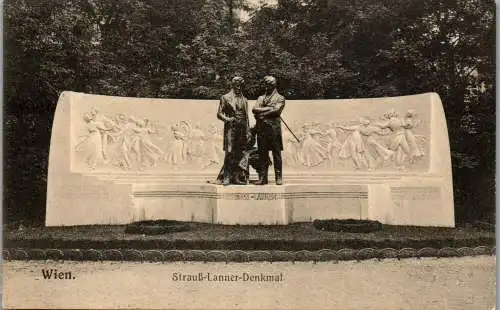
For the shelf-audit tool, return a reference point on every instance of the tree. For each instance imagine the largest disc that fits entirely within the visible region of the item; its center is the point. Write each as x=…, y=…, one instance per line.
x=192, y=49
x=46, y=46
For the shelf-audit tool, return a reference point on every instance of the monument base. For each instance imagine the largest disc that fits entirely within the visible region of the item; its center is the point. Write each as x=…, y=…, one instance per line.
x=251, y=204
x=389, y=199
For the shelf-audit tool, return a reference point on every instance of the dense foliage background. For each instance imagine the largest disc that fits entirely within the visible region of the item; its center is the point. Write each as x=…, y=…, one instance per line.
x=191, y=49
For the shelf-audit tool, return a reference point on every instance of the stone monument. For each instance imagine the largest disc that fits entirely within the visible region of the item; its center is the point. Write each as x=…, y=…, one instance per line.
x=115, y=160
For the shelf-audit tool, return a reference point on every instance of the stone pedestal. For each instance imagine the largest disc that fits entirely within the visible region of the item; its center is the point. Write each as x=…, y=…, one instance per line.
x=251, y=205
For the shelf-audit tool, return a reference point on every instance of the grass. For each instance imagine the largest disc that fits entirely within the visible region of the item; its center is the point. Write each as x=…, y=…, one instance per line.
x=296, y=236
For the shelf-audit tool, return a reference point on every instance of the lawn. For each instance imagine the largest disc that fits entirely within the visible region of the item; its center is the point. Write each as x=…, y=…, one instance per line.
x=296, y=236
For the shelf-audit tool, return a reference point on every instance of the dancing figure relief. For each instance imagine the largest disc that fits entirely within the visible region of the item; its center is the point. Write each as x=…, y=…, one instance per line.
x=403, y=142
x=213, y=140
x=291, y=149
x=196, y=145
x=91, y=144
x=177, y=149
x=333, y=145
x=121, y=139
x=415, y=147
x=312, y=152
x=390, y=142
x=106, y=123
x=118, y=141
x=364, y=150
x=146, y=151
x=313, y=146
x=130, y=143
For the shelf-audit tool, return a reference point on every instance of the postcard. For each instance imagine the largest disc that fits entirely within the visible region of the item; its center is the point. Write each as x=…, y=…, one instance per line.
x=224, y=154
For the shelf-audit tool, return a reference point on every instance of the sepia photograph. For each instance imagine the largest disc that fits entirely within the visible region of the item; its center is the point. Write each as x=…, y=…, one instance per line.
x=249, y=154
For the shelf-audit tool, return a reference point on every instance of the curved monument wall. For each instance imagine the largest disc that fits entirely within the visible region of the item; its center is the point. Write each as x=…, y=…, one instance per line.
x=114, y=160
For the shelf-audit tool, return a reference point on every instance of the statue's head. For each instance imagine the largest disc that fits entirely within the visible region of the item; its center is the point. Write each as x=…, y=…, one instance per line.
x=237, y=83
x=87, y=117
x=140, y=123
x=120, y=118
x=269, y=82
x=364, y=121
x=411, y=113
x=212, y=129
x=390, y=114
x=94, y=111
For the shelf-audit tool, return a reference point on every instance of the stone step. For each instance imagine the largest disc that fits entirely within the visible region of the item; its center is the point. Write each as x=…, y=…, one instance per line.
x=289, y=179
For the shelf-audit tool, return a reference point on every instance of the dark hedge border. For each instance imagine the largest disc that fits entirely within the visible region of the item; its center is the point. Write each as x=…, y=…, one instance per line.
x=349, y=225
x=158, y=227
x=203, y=236
x=248, y=244
x=323, y=255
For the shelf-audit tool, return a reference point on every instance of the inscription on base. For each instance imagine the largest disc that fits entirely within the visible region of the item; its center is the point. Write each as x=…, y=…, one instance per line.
x=251, y=196
x=415, y=197
x=416, y=193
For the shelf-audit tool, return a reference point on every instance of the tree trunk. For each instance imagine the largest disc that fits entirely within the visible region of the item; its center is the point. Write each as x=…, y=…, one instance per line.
x=230, y=17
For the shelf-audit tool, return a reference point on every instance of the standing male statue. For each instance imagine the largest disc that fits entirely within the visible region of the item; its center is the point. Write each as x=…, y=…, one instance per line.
x=233, y=111
x=267, y=113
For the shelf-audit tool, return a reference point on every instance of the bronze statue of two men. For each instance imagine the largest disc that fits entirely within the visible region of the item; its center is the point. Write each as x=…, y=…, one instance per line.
x=239, y=138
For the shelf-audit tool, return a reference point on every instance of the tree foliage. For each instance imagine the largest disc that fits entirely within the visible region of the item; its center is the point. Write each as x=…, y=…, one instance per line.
x=192, y=48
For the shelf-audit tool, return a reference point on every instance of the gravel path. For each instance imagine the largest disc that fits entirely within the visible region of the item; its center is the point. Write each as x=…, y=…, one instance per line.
x=446, y=283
